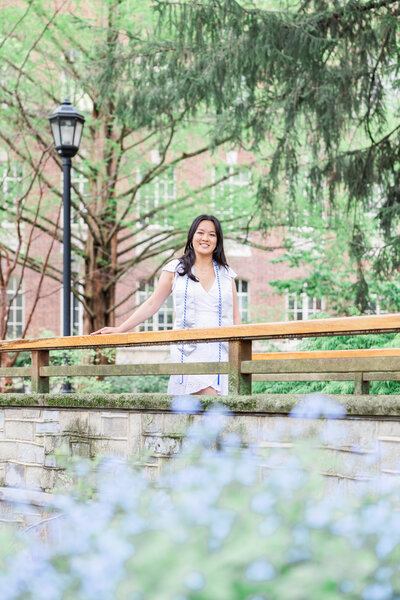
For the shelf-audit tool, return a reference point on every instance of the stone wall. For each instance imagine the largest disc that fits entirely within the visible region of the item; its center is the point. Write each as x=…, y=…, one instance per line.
x=363, y=446
x=33, y=427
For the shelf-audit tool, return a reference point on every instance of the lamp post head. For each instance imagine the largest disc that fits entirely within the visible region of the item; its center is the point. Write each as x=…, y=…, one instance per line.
x=66, y=126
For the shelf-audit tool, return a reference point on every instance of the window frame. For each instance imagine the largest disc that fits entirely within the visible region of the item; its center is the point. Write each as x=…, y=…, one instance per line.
x=166, y=310
x=304, y=309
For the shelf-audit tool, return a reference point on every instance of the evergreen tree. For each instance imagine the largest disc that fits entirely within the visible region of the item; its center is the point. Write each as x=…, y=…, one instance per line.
x=311, y=84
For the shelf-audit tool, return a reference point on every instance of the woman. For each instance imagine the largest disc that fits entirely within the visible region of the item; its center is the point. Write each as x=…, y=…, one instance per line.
x=204, y=294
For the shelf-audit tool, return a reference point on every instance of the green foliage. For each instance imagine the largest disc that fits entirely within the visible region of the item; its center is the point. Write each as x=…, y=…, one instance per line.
x=223, y=522
x=338, y=257
x=343, y=342
x=313, y=84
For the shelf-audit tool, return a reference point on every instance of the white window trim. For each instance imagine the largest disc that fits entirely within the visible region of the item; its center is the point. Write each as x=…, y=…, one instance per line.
x=152, y=324
x=156, y=181
x=241, y=295
x=11, y=291
x=304, y=308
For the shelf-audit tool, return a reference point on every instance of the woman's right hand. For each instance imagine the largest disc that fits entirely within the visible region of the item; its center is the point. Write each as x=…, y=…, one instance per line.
x=106, y=330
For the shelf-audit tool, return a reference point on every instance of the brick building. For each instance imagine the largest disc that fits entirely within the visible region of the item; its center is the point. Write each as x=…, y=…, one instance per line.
x=255, y=267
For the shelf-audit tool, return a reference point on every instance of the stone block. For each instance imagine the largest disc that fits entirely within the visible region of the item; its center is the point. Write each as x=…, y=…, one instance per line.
x=50, y=478
x=152, y=423
x=106, y=447
x=50, y=461
x=53, y=442
x=152, y=472
x=74, y=420
x=80, y=448
x=2, y=475
x=388, y=429
x=22, y=413
x=33, y=477
x=95, y=422
x=135, y=434
x=15, y=475
x=355, y=466
x=115, y=426
x=51, y=415
x=176, y=423
x=246, y=428
x=283, y=429
x=358, y=433
x=8, y=450
x=1, y=419
x=19, y=430
x=135, y=423
x=31, y=453
x=162, y=445
x=389, y=455
x=48, y=427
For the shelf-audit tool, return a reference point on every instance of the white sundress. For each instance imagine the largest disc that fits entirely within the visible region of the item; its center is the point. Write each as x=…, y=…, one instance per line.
x=202, y=310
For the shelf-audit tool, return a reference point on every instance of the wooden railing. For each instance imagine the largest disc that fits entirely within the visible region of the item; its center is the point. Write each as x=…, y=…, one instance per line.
x=360, y=366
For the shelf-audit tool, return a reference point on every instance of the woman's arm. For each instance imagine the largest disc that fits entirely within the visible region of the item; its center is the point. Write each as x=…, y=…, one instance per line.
x=147, y=309
x=237, y=319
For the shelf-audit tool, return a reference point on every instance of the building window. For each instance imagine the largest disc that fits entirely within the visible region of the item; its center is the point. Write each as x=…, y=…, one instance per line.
x=242, y=288
x=231, y=197
x=162, y=320
x=154, y=195
x=300, y=307
x=16, y=315
x=11, y=180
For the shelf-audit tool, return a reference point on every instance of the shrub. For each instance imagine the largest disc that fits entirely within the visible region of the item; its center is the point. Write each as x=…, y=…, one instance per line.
x=225, y=522
x=343, y=342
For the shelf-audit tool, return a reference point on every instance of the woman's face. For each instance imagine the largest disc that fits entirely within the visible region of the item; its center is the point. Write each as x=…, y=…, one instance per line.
x=205, y=238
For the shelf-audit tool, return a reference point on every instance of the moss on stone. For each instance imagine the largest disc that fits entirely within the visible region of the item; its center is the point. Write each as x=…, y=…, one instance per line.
x=356, y=405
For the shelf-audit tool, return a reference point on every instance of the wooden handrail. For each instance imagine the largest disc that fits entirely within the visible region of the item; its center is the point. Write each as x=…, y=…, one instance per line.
x=317, y=354
x=364, y=365
x=260, y=331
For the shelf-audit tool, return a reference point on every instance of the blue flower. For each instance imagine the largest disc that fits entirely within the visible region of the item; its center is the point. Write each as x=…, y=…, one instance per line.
x=185, y=404
x=262, y=503
x=314, y=406
x=194, y=580
x=260, y=570
x=378, y=591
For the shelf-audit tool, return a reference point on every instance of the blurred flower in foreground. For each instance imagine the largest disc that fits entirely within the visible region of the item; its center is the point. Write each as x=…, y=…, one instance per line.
x=314, y=406
x=223, y=522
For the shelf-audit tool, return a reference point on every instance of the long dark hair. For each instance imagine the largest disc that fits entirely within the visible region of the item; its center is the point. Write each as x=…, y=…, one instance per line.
x=186, y=261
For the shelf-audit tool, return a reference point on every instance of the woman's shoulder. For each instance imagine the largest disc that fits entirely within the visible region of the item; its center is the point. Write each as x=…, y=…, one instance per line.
x=172, y=265
x=228, y=272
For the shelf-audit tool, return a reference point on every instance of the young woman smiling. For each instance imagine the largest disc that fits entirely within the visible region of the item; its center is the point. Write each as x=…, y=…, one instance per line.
x=204, y=293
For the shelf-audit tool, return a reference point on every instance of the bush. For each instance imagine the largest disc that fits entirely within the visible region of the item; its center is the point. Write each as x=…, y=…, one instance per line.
x=343, y=342
x=211, y=528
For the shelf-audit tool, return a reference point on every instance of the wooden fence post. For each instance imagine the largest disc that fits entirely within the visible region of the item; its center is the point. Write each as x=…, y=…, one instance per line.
x=360, y=385
x=40, y=358
x=239, y=383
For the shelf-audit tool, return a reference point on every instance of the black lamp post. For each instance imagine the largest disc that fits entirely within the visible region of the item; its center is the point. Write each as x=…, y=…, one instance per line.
x=66, y=126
